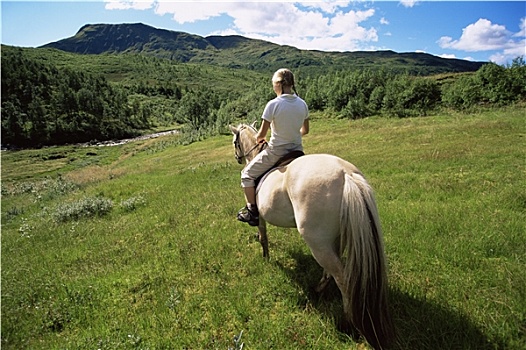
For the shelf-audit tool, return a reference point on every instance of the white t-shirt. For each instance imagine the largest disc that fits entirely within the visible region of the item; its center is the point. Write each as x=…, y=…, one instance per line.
x=286, y=114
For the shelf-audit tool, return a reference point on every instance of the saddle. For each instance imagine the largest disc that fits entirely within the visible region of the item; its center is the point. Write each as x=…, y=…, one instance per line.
x=285, y=160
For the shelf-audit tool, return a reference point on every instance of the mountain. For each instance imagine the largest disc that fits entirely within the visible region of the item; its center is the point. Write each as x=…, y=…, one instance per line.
x=132, y=38
x=241, y=52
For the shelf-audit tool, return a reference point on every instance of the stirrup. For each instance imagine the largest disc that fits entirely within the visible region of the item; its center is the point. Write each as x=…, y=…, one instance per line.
x=248, y=216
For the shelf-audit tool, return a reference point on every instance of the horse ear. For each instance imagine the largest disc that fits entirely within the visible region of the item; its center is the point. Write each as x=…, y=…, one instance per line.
x=233, y=129
x=254, y=124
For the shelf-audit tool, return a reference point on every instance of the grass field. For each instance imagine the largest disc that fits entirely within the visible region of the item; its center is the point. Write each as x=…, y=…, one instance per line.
x=137, y=246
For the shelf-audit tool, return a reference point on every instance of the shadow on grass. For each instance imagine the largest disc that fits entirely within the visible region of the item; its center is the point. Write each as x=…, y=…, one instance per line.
x=420, y=324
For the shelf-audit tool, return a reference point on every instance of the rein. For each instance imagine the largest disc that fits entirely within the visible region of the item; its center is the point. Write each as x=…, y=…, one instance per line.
x=238, y=157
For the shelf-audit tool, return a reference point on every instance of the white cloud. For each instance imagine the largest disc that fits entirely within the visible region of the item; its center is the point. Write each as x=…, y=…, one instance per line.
x=409, y=3
x=479, y=36
x=285, y=24
x=128, y=4
x=384, y=21
x=278, y=20
x=483, y=35
x=188, y=12
x=320, y=25
x=499, y=58
x=348, y=22
x=449, y=55
x=510, y=53
x=327, y=6
x=522, y=26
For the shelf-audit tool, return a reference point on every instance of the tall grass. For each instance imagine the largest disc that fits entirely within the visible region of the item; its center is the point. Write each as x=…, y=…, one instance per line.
x=169, y=267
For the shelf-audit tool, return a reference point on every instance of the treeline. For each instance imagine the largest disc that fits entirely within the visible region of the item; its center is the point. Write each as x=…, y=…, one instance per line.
x=43, y=105
x=490, y=85
x=46, y=105
x=364, y=93
x=48, y=102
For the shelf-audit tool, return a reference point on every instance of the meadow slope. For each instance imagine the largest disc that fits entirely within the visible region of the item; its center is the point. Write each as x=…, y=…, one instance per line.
x=137, y=246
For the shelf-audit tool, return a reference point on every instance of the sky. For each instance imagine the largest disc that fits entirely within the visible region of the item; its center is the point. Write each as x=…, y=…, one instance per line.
x=472, y=30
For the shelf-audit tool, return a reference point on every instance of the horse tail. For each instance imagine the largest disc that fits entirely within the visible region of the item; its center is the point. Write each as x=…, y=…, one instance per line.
x=365, y=275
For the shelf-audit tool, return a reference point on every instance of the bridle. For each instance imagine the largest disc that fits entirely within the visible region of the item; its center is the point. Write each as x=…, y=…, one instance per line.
x=237, y=146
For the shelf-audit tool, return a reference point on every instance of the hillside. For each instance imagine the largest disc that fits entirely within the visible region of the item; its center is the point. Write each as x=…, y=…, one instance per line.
x=241, y=52
x=162, y=263
x=50, y=96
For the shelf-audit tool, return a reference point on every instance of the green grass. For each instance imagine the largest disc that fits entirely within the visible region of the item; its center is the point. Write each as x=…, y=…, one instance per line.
x=169, y=267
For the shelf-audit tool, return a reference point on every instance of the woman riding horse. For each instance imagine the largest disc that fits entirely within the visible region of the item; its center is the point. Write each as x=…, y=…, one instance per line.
x=288, y=118
x=330, y=203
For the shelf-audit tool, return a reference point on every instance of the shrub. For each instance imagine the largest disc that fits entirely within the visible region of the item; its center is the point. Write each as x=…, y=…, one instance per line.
x=491, y=84
x=47, y=188
x=83, y=208
x=132, y=203
x=462, y=94
x=356, y=108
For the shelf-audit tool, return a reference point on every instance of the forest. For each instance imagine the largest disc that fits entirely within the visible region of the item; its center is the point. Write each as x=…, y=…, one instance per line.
x=53, y=98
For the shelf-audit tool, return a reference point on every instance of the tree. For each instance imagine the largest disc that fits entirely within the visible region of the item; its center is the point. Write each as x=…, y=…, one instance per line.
x=195, y=108
x=463, y=94
x=494, y=83
x=517, y=75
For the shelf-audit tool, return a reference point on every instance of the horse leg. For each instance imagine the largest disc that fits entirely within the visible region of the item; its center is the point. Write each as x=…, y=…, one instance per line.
x=262, y=236
x=332, y=265
x=326, y=277
x=324, y=282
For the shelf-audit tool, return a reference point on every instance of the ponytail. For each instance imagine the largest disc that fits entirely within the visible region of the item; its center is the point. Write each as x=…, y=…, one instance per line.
x=286, y=78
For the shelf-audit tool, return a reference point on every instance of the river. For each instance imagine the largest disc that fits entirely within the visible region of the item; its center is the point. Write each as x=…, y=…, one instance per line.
x=111, y=143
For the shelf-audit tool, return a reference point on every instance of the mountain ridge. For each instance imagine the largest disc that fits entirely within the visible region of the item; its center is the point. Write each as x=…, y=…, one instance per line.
x=237, y=51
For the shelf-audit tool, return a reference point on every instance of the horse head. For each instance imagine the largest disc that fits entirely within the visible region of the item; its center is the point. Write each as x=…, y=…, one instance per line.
x=244, y=142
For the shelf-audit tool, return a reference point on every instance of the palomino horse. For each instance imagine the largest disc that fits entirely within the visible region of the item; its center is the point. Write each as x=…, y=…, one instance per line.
x=333, y=207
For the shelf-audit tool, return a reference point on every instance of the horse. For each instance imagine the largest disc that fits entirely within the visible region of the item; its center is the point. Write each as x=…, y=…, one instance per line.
x=333, y=207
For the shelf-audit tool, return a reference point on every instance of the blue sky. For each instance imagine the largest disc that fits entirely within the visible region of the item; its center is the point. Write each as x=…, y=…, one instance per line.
x=474, y=30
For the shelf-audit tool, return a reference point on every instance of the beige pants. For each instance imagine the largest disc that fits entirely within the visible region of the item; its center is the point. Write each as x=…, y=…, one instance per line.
x=263, y=162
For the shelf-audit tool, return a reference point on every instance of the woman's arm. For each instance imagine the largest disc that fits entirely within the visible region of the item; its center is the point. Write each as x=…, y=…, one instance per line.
x=262, y=133
x=305, y=127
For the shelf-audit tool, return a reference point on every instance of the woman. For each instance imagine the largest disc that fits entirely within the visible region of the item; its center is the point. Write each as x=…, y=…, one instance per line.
x=287, y=116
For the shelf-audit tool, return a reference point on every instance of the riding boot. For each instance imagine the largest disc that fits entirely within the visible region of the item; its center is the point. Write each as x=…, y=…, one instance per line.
x=249, y=214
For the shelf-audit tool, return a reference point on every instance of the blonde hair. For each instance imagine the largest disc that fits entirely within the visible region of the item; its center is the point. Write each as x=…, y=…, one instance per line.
x=285, y=77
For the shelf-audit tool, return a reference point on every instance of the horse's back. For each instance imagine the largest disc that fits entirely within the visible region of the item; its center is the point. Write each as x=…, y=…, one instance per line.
x=307, y=193
x=318, y=170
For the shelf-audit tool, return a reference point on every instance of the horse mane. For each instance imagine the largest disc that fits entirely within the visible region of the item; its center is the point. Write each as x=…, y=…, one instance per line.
x=252, y=126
